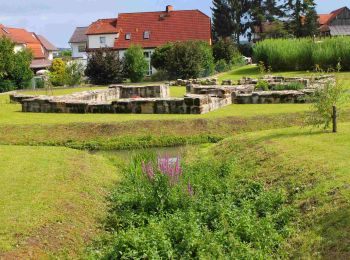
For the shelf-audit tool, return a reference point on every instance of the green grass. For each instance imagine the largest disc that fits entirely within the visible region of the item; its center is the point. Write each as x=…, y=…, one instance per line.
x=50, y=200
x=314, y=168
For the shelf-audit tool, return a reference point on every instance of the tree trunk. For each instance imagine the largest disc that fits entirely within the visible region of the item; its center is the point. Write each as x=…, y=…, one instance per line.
x=334, y=117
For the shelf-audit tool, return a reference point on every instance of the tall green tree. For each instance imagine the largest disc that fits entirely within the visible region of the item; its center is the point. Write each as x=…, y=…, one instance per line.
x=15, y=72
x=311, y=24
x=222, y=21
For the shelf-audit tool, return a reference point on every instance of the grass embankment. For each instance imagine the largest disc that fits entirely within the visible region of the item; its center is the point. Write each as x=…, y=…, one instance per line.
x=313, y=168
x=51, y=200
x=281, y=193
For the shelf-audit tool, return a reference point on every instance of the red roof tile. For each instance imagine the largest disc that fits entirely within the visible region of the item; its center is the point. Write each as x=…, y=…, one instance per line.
x=163, y=27
x=324, y=18
x=37, y=50
x=103, y=26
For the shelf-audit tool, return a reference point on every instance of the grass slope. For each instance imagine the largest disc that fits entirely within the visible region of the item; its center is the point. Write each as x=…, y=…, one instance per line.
x=51, y=199
x=314, y=168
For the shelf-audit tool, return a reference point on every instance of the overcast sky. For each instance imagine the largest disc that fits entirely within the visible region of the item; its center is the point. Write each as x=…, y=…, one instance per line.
x=57, y=19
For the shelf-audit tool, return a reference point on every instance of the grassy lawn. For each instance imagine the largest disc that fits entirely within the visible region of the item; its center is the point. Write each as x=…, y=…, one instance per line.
x=314, y=168
x=51, y=199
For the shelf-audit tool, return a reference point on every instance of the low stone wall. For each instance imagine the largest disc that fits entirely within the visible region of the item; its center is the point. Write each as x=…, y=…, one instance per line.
x=190, y=104
x=272, y=97
x=155, y=99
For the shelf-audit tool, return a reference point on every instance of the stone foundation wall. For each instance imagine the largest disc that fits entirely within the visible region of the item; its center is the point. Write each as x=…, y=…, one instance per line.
x=155, y=99
x=190, y=104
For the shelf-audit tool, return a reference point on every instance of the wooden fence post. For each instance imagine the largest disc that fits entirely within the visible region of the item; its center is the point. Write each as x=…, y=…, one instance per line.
x=334, y=116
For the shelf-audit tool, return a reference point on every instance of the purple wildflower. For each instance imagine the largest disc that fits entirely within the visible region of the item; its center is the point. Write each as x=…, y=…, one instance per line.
x=190, y=189
x=148, y=170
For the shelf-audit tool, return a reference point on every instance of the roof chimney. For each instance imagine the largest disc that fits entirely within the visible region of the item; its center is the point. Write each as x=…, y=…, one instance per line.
x=169, y=8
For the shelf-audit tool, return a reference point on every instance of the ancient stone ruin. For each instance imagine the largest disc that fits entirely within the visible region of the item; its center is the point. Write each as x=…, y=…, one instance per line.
x=199, y=99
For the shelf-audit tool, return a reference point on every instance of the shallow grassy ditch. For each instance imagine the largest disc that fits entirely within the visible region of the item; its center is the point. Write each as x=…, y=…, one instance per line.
x=190, y=207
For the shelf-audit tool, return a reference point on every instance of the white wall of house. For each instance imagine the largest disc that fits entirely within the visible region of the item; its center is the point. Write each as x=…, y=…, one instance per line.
x=101, y=41
x=77, y=50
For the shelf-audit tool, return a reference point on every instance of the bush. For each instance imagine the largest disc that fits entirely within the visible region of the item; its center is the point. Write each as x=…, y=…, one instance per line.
x=166, y=210
x=191, y=59
x=159, y=56
x=74, y=73
x=290, y=86
x=304, y=54
x=262, y=85
x=225, y=49
x=7, y=85
x=58, y=72
x=135, y=64
x=15, y=72
x=39, y=82
x=222, y=66
x=160, y=75
x=104, y=67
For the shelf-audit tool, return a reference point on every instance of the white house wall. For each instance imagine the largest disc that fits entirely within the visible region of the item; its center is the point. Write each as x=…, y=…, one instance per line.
x=94, y=41
x=75, y=51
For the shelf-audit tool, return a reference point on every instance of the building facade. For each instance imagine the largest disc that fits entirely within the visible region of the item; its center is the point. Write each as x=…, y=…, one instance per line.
x=43, y=51
x=149, y=30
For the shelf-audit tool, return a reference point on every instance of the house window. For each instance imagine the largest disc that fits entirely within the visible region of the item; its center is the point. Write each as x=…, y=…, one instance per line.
x=146, y=35
x=146, y=54
x=81, y=48
x=128, y=36
x=103, y=40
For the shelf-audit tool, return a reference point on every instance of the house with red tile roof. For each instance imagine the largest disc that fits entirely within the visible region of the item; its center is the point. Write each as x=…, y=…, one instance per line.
x=40, y=47
x=149, y=30
x=336, y=23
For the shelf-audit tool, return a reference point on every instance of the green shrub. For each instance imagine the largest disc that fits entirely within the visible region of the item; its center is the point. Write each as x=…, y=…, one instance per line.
x=225, y=49
x=290, y=86
x=196, y=211
x=74, y=73
x=222, y=66
x=15, y=72
x=7, y=85
x=191, y=59
x=58, y=72
x=104, y=67
x=39, y=82
x=304, y=54
x=135, y=64
x=160, y=75
x=262, y=85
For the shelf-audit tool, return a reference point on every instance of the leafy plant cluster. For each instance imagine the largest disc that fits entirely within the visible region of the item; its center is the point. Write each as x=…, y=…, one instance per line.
x=62, y=73
x=15, y=72
x=304, y=54
x=191, y=59
x=263, y=85
x=207, y=210
x=105, y=66
x=226, y=54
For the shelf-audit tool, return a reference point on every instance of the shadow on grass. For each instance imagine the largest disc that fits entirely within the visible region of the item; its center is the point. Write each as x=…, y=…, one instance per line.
x=335, y=233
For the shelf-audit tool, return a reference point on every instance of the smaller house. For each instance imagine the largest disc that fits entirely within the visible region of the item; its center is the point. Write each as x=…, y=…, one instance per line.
x=336, y=23
x=42, y=50
x=78, y=43
x=50, y=50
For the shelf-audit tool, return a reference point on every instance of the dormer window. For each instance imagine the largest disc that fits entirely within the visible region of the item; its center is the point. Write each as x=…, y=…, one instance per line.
x=146, y=35
x=128, y=36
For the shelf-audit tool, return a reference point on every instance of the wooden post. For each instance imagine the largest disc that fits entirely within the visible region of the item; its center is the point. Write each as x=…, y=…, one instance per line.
x=334, y=116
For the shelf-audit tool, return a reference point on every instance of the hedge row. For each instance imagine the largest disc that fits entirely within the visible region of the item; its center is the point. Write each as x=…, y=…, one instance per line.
x=304, y=54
